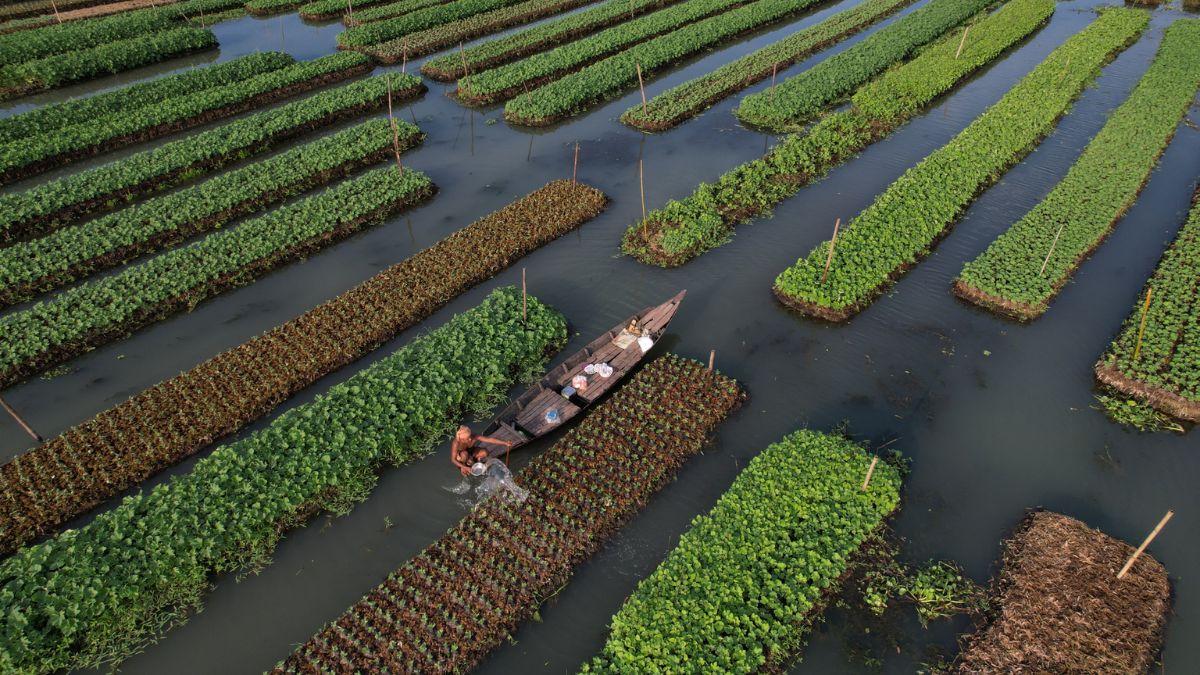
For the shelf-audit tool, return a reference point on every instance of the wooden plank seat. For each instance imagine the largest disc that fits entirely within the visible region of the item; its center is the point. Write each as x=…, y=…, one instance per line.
x=532, y=418
x=505, y=433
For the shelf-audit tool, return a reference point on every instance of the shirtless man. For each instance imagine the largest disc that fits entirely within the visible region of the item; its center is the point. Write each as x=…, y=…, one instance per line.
x=465, y=449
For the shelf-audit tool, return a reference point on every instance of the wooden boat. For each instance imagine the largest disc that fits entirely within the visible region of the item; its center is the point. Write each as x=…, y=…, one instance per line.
x=525, y=419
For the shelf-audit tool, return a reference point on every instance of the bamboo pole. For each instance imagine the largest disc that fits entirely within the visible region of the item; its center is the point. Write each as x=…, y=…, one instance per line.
x=395, y=130
x=575, y=167
x=712, y=355
x=350, y=9
x=1051, y=251
x=24, y=425
x=404, y=56
x=1141, y=549
x=524, y=298
x=962, y=43
x=870, y=472
x=642, y=188
x=832, y=243
x=463, y=53
x=1137, y=350
x=56, y=14
x=642, y=86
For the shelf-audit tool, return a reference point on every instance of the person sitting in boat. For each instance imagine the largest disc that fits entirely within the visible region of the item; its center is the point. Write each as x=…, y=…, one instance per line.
x=465, y=449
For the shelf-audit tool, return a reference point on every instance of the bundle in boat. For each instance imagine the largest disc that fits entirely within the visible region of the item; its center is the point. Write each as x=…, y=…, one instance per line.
x=1062, y=609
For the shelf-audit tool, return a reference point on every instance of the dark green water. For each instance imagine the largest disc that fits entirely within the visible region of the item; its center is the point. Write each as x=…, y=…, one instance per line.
x=995, y=416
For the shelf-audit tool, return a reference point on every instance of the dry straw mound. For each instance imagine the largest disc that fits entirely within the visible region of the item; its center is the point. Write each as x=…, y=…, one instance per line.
x=1061, y=608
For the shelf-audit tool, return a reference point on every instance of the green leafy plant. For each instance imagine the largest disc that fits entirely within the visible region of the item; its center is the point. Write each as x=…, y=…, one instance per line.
x=532, y=40
x=686, y=100
x=376, y=32
x=919, y=208
x=797, y=99
x=442, y=611
x=1136, y=414
x=612, y=76
x=39, y=43
x=687, y=228
x=324, y=10
x=1021, y=271
x=65, y=200
x=51, y=332
x=387, y=10
x=75, y=252
x=51, y=148
x=109, y=587
x=156, y=428
x=739, y=591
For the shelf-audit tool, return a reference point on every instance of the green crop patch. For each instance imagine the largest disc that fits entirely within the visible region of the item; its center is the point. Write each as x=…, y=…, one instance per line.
x=20, y=10
x=34, y=154
x=492, y=570
x=114, y=57
x=685, y=229
x=387, y=10
x=799, y=98
x=616, y=74
x=106, y=309
x=169, y=422
x=684, y=101
x=1022, y=271
x=324, y=10
x=738, y=592
x=366, y=35
x=921, y=206
x=39, y=43
x=1156, y=356
x=65, y=200
x=538, y=38
x=75, y=252
x=110, y=587
x=507, y=81
x=50, y=118
x=430, y=40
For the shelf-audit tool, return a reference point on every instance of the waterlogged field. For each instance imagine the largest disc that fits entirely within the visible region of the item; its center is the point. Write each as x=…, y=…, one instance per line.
x=217, y=282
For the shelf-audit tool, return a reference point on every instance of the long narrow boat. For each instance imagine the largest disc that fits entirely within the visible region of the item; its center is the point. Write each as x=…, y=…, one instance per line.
x=543, y=407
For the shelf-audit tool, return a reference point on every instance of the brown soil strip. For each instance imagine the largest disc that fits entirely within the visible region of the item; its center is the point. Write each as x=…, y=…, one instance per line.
x=15, y=294
x=505, y=94
x=87, y=13
x=265, y=98
x=1168, y=401
x=42, y=224
x=171, y=421
x=1061, y=609
x=1019, y=311
x=38, y=12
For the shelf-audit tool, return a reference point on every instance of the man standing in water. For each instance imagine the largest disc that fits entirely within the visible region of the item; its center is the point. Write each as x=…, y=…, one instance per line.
x=465, y=448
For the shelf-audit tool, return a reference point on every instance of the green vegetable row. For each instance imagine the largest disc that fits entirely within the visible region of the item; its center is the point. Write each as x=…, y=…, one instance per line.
x=538, y=38
x=169, y=422
x=67, y=199
x=20, y=10
x=38, y=43
x=390, y=10
x=107, y=59
x=75, y=252
x=1026, y=266
x=49, y=118
x=189, y=10
x=507, y=81
x=797, y=99
x=684, y=101
x=432, y=39
x=919, y=208
x=324, y=10
x=103, y=310
x=685, y=229
x=393, y=29
x=100, y=593
x=37, y=153
x=1160, y=363
x=612, y=76
x=738, y=592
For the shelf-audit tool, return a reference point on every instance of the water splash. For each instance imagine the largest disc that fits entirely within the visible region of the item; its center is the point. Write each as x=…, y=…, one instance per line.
x=496, y=479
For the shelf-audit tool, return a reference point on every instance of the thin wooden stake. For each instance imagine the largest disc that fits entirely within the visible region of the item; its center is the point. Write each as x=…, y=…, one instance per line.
x=524, y=298
x=395, y=130
x=870, y=472
x=404, y=58
x=832, y=243
x=24, y=425
x=350, y=9
x=55, y=6
x=575, y=168
x=462, y=52
x=1137, y=350
x=642, y=86
x=1051, y=251
x=962, y=43
x=712, y=355
x=1141, y=549
x=642, y=187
